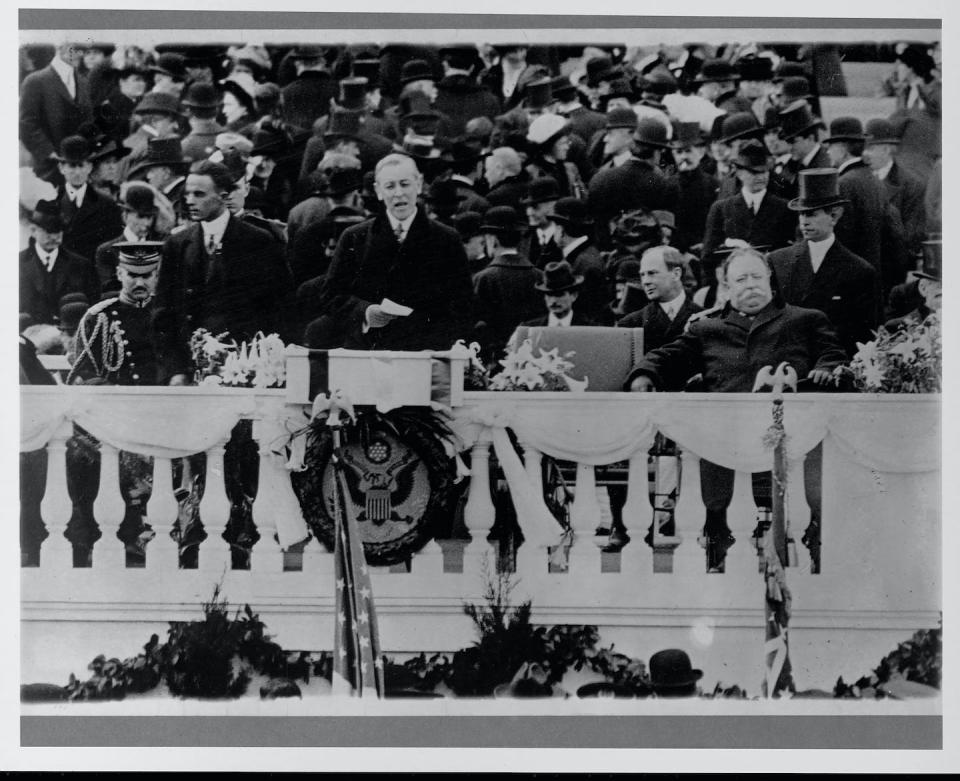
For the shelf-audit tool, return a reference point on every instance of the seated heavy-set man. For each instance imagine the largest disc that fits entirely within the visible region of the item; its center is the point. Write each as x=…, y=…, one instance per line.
x=728, y=347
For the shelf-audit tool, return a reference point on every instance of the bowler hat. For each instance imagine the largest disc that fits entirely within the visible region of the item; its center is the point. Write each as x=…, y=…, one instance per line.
x=563, y=89
x=633, y=298
x=845, y=129
x=797, y=120
x=74, y=149
x=622, y=117
x=158, y=103
x=788, y=68
x=540, y=190
x=139, y=198
x=501, y=219
x=671, y=669
x=308, y=51
x=881, y=131
x=46, y=215
x=538, y=94
x=571, y=213
x=467, y=224
x=546, y=129
x=416, y=70
x=460, y=56
x=932, y=267
x=716, y=70
x=353, y=93
x=201, y=95
x=819, y=189
x=558, y=277
x=755, y=157
x=755, y=68
x=279, y=144
x=743, y=124
x=138, y=254
x=343, y=124
x=341, y=181
x=687, y=134
x=660, y=81
x=171, y=64
x=162, y=151
x=104, y=147
x=794, y=88
x=107, y=49
x=651, y=132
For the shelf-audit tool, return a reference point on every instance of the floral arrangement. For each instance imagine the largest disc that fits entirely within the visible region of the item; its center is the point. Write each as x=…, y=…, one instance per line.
x=523, y=370
x=905, y=361
x=259, y=364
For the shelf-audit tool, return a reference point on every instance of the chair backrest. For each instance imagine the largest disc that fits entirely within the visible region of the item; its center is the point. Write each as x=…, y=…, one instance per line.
x=57, y=365
x=603, y=354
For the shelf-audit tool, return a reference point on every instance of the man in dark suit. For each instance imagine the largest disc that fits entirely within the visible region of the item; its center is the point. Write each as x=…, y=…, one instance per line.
x=753, y=215
x=560, y=288
x=573, y=226
x=139, y=218
x=308, y=96
x=929, y=288
x=89, y=216
x=818, y=272
x=48, y=271
x=219, y=273
x=508, y=181
x=466, y=162
x=403, y=256
x=800, y=129
x=459, y=95
x=540, y=245
x=696, y=188
x=54, y=102
x=584, y=122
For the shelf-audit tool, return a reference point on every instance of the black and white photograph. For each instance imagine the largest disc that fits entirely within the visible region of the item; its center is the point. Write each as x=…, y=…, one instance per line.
x=524, y=380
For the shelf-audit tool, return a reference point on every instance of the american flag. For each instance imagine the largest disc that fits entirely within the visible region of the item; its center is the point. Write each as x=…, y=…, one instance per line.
x=357, y=664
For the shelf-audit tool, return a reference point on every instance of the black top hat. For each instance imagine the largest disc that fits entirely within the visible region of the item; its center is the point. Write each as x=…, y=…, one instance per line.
x=794, y=88
x=243, y=97
x=416, y=70
x=171, y=64
x=46, y=215
x=158, y=103
x=343, y=124
x=541, y=190
x=845, y=129
x=819, y=189
x=538, y=94
x=716, y=70
x=141, y=255
x=881, y=131
x=932, y=260
x=162, y=151
x=502, y=219
x=74, y=150
x=104, y=147
x=460, y=56
x=743, y=124
x=353, y=93
x=597, y=66
x=797, y=120
x=467, y=224
x=558, y=277
x=788, y=68
x=341, y=181
x=687, y=134
x=201, y=95
x=651, y=132
x=671, y=669
x=563, y=89
x=622, y=117
x=571, y=213
x=755, y=157
x=139, y=198
x=659, y=81
x=369, y=69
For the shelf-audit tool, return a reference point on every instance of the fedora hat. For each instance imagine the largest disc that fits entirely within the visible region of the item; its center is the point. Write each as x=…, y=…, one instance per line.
x=416, y=70
x=341, y=181
x=343, y=123
x=571, y=212
x=687, y=134
x=716, y=70
x=162, y=151
x=141, y=255
x=881, y=131
x=542, y=189
x=633, y=298
x=46, y=215
x=845, y=129
x=158, y=103
x=819, y=189
x=558, y=277
x=755, y=68
x=546, y=129
x=139, y=198
x=797, y=120
x=743, y=124
x=671, y=669
x=74, y=150
x=932, y=267
x=563, y=89
x=201, y=95
x=502, y=219
x=788, y=68
x=659, y=81
x=754, y=157
x=467, y=224
x=353, y=93
x=538, y=94
x=171, y=64
x=794, y=88
x=622, y=117
x=651, y=132
x=279, y=144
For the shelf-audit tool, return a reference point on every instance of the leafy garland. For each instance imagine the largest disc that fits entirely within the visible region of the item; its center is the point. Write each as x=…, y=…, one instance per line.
x=908, y=360
x=918, y=660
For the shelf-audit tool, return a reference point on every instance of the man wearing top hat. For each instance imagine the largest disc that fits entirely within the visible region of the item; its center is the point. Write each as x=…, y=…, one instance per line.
x=696, y=187
x=819, y=272
x=202, y=104
x=504, y=291
x=540, y=245
x=139, y=224
x=90, y=217
x=929, y=286
x=560, y=289
x=799, y=128
x=753, y=215
x=308, y=96
x=573, y=234
x=459, y=94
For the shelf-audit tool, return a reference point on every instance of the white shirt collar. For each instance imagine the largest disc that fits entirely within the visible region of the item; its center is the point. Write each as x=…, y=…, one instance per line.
x=215, y=227
x=847, y=163
x=621, y=157
x=753, y=198
x=673, y=306
x=394, y=222
x=811, y=154
x=883, y=173
x=546, y=234
x=819, y=250
x=554, y=321
x=574, y=244
x=48, y=259
x=64, y=71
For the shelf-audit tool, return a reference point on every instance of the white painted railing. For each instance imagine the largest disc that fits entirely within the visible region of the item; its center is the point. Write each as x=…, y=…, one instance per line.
x=880, y=577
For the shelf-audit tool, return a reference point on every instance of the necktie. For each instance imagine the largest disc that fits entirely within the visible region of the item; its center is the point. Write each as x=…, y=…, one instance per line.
x=211, y=244
x=669, y=311
x=399, y=233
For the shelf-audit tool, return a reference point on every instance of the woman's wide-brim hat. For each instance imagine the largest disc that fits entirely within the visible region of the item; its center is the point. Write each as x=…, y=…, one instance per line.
x=558, y=277
x=819, y=189
x=671, y=669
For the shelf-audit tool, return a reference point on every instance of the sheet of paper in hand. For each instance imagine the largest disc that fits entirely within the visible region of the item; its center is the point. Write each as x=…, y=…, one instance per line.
x=393, y=308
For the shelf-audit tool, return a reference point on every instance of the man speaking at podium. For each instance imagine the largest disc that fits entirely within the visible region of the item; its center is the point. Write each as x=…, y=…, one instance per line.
x=399, y=260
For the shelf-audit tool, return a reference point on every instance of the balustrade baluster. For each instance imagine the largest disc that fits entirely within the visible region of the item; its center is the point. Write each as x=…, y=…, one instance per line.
x=637, y=556
x=162, y=509
x=479, y=513
x=267, y=555
x=108, y=510
x=532, y=560
x=584, y=518
x=689, y=557
x=56, y=506
x=742, y=516
x=215, y=513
